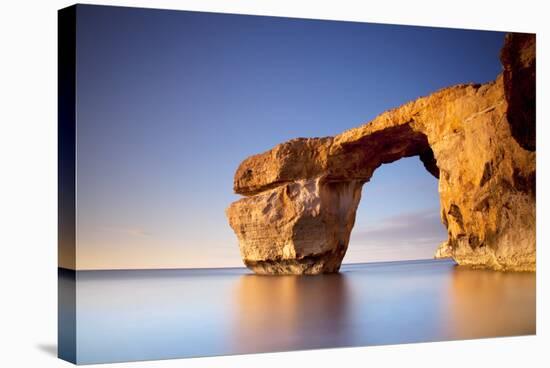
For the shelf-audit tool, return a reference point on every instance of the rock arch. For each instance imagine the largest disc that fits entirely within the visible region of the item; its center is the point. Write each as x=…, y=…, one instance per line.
x=302, y=195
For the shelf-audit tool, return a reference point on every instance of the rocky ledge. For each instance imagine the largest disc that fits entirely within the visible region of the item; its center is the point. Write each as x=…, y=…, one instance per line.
x=478, y=139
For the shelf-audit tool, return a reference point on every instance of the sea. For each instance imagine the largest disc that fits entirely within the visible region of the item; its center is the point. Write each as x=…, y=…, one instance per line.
x=132, y=315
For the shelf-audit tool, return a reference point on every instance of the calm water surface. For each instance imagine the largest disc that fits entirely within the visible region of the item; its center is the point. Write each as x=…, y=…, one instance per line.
x=160, y=314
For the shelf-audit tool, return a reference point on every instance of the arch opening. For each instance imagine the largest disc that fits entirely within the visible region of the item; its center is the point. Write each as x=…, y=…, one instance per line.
x=398, y=216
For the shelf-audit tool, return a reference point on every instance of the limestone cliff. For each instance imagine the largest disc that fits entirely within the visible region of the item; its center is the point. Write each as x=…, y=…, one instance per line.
x=302, y=195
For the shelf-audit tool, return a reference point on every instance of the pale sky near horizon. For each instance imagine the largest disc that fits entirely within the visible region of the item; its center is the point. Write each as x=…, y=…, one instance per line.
x=169, y=103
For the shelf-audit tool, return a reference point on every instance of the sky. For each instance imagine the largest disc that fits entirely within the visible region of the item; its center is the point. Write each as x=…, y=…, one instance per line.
x=170, y=102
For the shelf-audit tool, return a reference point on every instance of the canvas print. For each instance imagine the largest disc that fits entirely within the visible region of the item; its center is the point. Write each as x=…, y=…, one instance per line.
x=233, y=184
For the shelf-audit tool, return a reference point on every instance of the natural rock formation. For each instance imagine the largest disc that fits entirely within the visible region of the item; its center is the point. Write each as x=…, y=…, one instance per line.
x=519, y=60
x=302, y=195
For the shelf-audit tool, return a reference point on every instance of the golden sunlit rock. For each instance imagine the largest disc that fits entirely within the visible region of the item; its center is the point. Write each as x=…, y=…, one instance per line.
x=302, y=195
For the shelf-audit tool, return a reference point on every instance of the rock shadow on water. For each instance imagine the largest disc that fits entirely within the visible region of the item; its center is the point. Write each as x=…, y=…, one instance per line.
x=291, y=313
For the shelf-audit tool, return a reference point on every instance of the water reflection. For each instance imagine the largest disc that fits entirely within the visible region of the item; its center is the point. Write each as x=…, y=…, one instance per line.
x=482, y=303
x=386, y=303
x=160, y=314
x=291, y=312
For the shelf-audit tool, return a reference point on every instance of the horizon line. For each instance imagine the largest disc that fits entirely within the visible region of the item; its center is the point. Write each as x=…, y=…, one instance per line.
x=236, y=267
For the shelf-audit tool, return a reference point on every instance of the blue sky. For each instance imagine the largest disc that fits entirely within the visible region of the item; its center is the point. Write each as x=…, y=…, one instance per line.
x=170, y=102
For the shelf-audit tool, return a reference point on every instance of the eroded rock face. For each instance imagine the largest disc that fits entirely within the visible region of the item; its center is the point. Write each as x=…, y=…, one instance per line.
x=302, y=227
x=302, y=195
x=518, y=56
